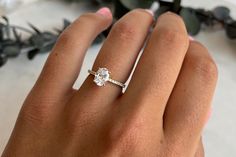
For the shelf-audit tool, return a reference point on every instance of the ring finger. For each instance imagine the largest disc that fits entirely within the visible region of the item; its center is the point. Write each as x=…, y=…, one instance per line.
x=118, y=55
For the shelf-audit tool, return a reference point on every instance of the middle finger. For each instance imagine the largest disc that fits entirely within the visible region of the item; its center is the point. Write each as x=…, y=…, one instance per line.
x=158, y=68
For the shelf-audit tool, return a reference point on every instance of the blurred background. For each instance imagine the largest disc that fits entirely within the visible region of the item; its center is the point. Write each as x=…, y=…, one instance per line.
x=18, y=75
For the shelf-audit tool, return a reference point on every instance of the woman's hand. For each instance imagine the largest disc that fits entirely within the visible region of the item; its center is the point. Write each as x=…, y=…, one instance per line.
x=161, y=114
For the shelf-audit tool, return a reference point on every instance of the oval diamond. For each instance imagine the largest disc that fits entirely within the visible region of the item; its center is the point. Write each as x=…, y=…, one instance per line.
x=101, y=76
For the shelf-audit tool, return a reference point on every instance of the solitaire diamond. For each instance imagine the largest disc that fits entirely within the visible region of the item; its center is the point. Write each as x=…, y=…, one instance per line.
x=101, y=76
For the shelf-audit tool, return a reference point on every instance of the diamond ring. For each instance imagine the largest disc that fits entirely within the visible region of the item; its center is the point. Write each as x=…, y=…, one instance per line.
x=102, y=76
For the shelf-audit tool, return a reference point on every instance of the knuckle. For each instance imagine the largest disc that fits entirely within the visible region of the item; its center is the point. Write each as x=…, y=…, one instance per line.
x=173, y=152
x=126, y=135
x=83, y=21
x=65, y=38
x=174, y=147
x=37, y=112
x=86, y=18
x=171, y=36
x=173, y=32
x=172, y=15
x=77, y=122
x=95, y=23
x=36, y=115
x=204, y=66
x=124, y=30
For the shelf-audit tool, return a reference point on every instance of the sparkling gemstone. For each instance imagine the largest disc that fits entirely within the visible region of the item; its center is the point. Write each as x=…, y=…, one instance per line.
x=101, y=76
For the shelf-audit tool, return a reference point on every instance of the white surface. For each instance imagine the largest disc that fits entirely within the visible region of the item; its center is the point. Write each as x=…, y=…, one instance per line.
x=9, y=5
x=232, y=1
x=19, y=75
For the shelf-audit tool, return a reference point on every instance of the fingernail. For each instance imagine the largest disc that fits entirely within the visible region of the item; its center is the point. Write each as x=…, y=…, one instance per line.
x=104, y=12
x=191, y=38
x=149, y=11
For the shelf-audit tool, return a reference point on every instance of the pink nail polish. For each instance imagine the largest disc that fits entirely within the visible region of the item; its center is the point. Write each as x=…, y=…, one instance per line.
x=149, y=11
x=104, y=12
x=191, y=38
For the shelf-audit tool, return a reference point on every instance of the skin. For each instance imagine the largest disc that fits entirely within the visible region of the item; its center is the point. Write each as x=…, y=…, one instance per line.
x=161, y=114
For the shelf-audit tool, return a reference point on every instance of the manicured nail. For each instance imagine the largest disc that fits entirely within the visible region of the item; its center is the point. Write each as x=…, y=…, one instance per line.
x=149, y=11
x=191, y=38
x=104, y=12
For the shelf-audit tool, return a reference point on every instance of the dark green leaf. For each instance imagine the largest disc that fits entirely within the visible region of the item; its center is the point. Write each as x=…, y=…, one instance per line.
x=66, y=23
x=32, y=53
x=12, y=50
x=192, y=23
x=120, y=9
x=16, y=35
x=231, y=30
x=37, y=41
x=3, y=59
x=132, y=4
x=1, y=32
x=221, y=13
x=5, y=27
x=34, y=28
x=176, y=6
x=99, y=39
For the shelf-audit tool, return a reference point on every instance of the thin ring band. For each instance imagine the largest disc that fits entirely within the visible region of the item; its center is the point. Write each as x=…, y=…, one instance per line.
x=102, y=76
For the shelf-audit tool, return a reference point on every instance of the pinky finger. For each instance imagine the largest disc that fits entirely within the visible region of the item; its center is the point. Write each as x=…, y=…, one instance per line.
x=190, y=103
x=200, y=150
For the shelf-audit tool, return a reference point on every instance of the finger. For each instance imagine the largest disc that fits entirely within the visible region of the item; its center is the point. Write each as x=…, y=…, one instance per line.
x=158, y=68
x=200, y=150
x=64, y=63
x=189, y=105
x=119, y=54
